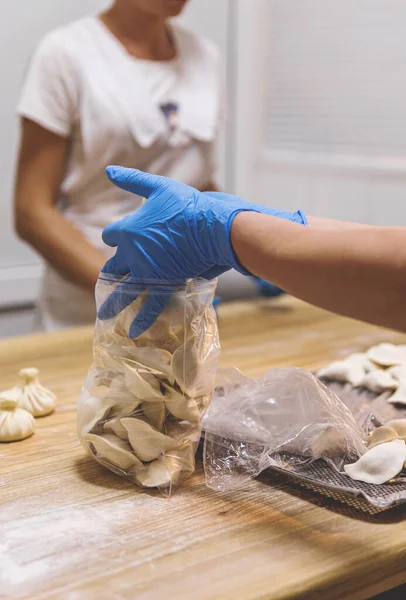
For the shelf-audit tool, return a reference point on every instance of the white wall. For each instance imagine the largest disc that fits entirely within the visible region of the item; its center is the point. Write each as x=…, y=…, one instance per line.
x=21, y=27
x=314, y=101
x=22, y=24
x=211, y=18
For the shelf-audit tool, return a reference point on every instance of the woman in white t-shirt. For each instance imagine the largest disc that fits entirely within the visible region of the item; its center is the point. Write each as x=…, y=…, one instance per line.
x=123, y=88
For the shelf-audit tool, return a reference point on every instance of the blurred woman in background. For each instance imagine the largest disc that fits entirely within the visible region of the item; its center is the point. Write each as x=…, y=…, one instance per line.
x=126, y=87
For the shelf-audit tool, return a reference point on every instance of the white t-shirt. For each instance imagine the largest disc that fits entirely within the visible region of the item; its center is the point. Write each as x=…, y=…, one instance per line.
x=161, y=117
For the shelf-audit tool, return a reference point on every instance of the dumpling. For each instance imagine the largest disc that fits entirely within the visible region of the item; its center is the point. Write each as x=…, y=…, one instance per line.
x=387, y=355
x=114, y=426
x=351, y=370
x=379, y=382
x=153, y=360
x=166, y=470
x=93, y=410
x=15, y=423
x=114, y=450
x=188, y=370
x=180, y=406
x=142, y=385
x=379, y=464
x=398, y=425
x=382, y=435
x=398, y=372
x=399, y=397
x=33, y=397
x=154, y=411
x=346, y=371
x=147, y=442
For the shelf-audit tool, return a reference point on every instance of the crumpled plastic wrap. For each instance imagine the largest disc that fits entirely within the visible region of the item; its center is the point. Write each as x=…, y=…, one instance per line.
x=285, y=418
x=140, y=409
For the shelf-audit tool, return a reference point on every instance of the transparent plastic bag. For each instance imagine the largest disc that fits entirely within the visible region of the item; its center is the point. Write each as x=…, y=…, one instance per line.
x=285, y=418
x=140, y=409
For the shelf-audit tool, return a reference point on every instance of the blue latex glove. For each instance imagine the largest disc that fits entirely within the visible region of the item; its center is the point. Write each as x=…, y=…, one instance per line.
x=178, y=234
x=268, y=290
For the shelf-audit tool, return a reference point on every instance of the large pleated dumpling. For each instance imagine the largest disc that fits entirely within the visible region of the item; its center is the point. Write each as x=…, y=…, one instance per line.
x=33, y=397
x=15, y=423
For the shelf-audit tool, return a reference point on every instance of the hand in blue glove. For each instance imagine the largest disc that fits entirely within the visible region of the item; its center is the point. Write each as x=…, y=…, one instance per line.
x=179, y=233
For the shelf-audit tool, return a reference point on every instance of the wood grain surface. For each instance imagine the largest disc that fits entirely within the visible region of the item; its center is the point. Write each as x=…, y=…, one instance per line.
x=70, y=530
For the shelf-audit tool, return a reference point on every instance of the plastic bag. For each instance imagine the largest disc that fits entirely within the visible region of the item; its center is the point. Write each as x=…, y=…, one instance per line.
x=286, y=418
x=140, y=409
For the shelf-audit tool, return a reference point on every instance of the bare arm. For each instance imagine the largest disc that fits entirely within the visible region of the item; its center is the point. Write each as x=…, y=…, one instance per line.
x=355, y=270
x=37, y=220
x=332, y=224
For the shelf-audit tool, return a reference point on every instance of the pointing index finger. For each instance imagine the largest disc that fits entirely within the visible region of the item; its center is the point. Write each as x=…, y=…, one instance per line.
x=135, y=181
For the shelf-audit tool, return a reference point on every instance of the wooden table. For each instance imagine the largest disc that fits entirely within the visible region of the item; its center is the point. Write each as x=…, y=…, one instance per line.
x=73, y=531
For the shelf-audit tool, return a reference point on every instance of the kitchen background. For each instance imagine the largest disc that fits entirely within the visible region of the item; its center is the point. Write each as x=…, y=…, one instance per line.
x=316, y=95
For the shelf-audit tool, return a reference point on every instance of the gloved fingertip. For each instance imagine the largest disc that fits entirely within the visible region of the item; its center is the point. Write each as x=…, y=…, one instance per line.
x=112, y=171
x=138, y=327
x=118, y=174
x=109, y=235
x=103, y=314
x=133, y=180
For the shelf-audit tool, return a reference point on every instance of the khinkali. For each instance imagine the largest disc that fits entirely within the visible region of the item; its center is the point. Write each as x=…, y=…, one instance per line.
x=32, y=396
x=15, y=423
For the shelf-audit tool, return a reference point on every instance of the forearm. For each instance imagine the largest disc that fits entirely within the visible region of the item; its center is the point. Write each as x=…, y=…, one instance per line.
x=358, y=271
x=331, y=224
x=62, y=245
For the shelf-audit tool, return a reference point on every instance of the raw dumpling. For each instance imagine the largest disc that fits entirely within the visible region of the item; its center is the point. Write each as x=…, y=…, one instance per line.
x=33, y=397
x=387, y=355
x=154, y=411
x=95, y=409
x=15, y=423
x=114, y=451
x=167, y=469
x=351, y=370
x=399, y=425
x=194, y=363
x=399, y=397
x=124, y=401
x=108, y=359
x=161, y=335
x=144, y=386
x=361, y=358
x=379, y=464
x=344, y=371
x=180, y=406
x=379, y=382
x=147, y=442
x=187, y=368
x=382, y=435
x=153, y=360
x=114, y=426
x=398, y=372
x=160, y=473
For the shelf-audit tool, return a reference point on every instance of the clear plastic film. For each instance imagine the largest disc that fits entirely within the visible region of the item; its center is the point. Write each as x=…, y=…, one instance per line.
x=286, y=418
x=140, y=409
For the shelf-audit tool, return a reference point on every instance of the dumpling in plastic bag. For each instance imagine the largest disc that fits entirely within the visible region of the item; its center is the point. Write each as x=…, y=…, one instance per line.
x=140, y=410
